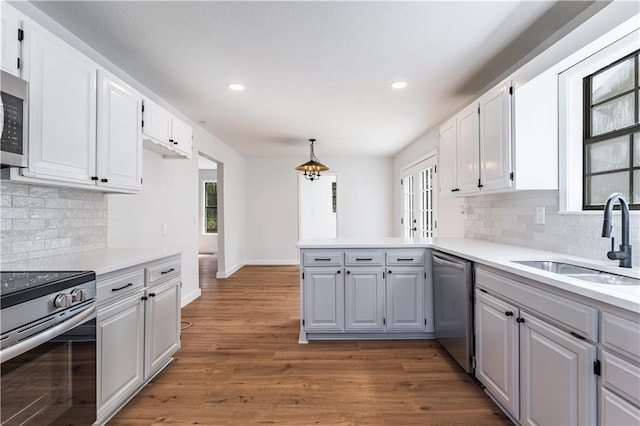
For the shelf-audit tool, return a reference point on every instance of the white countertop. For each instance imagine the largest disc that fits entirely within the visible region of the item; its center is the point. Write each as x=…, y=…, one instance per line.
x=500, y=256
x=102, y=261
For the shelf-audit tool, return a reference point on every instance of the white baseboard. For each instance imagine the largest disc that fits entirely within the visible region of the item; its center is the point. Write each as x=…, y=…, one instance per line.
x=275, y=262
x=230, y=271
x=188, y=298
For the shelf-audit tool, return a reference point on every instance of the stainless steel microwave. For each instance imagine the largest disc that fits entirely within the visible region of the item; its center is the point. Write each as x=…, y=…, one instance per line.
x=13, y=121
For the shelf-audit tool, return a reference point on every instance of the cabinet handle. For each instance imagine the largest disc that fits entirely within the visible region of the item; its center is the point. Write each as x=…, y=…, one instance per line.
x=409, y=259
x=122, y=288
x=364, y=258
x=152, y=295
x=104, y=180
x=171, y=140
x=167, y=271
x=175, y=143
x=322, y=259
x=144, y=298
x=339, y=271
x=455, y=190
x=390, y=272
x=94, y=177
x=519, y=319
x=348, y=272
x=509, y=313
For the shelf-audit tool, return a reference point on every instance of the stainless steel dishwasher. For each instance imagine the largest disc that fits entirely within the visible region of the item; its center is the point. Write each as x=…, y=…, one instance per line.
x=453, y=306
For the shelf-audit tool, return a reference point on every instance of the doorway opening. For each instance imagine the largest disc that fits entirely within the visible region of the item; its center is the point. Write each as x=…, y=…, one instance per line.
x=419, y=199
x=318, y=207
x=209, y=213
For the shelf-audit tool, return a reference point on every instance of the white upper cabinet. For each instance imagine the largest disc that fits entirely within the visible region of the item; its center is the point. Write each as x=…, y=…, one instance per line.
x=119, y=161
x=448, y=157
x=62, y=109
x=10, y=25
x=165, y=134
x=468, y=150
x=495, y=138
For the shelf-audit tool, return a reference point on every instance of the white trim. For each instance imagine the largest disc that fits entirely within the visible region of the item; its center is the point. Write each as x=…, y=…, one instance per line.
x=230, y=271
x=186, y=299
x=570, y=103
x=433, y=153
x=274, y=262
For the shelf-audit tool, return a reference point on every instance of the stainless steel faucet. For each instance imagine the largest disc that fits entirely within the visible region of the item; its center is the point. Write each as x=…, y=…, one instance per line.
x=624, y=254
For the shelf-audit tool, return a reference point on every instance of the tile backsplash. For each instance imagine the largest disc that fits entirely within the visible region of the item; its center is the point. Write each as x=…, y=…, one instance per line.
x=40, y=221
x=510, y=219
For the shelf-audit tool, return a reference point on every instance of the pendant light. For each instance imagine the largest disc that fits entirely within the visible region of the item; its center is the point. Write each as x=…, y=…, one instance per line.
x=313, y=167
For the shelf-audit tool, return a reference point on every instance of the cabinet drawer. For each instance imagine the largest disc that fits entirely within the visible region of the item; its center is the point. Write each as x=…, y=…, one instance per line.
x=118, y=285
x=162, y=271
x=405, y=257
x=574, y=316
x=322, y=258
x=615, y=411
x=621, y=335
x=621, y=376
x=364, y=257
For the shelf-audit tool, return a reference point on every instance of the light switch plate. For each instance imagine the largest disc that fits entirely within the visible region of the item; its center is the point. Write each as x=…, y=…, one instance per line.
x=540, y=215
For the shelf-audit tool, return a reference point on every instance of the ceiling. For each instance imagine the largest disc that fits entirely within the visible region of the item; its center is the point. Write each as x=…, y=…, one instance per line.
x=315, y=69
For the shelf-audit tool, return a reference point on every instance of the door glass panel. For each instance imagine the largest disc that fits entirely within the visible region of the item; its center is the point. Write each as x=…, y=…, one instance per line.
x=601, y=186
x=425, y=227
x=408, y=217
x=608, y=155
x=613, y=81
x=636, y=150
x=636, y=187
x=613, y=115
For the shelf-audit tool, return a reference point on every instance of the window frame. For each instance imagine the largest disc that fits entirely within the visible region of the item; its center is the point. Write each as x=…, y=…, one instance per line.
x=630, y=131
x=204, y=207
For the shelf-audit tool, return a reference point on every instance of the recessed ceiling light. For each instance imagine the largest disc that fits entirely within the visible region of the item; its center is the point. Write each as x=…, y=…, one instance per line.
x=235, y=86
x=399, y=84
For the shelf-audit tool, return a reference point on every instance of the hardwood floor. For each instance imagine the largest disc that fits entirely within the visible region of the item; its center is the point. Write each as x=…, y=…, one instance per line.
x=241, y=363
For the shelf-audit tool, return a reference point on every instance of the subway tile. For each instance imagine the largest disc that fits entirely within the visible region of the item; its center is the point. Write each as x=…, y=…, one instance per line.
x=28, y=223
x=5, y=200
x=12, y=188
x=6, y=224
x=27, y=246
x=14, y=212
x=80, y=194
x=43, y=191
x=27, y=201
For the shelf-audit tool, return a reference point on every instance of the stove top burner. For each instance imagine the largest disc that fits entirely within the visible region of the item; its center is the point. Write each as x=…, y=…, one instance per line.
x=19, y=286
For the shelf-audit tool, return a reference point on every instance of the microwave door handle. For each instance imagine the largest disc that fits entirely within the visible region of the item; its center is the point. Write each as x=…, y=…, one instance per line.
x=1, y=116
x=38, y=339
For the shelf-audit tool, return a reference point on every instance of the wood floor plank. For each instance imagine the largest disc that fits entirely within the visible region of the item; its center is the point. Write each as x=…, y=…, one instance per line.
x=241, y=364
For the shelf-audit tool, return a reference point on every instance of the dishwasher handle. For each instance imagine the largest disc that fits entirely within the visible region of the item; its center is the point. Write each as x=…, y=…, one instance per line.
x=440, y=261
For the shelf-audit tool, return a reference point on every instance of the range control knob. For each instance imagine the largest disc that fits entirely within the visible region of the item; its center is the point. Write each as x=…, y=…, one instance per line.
x=62, y=300
x=78, y=295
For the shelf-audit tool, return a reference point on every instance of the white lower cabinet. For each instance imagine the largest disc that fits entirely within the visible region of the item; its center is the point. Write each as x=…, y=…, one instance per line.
x=162, y=325
x=120, y=351
x=540, y=372
x=138, y=330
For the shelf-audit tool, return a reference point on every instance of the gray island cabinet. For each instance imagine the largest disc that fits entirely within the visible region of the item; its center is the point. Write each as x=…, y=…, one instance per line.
x=360, y=292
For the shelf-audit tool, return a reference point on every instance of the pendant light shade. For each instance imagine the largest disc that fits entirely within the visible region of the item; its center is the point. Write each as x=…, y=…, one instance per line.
x=313, y=167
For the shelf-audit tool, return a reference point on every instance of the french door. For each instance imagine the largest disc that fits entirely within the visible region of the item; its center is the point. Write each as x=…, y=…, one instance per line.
x=418, y=199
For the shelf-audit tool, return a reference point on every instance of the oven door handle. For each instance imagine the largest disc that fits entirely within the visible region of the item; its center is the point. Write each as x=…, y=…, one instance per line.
x=26, y=345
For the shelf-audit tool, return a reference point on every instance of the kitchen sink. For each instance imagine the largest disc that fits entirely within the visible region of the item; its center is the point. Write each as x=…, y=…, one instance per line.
x=579, y=272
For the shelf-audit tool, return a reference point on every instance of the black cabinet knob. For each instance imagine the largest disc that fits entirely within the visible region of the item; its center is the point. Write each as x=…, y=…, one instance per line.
x=509, y=313
x=520, y=319
x=94, y=177
x=104, y=180
x=152, y=295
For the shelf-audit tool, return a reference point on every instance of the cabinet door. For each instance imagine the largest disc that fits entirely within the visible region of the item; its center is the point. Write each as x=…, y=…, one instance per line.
x=323, y=299
x=405, y=299
x=448, y=158
x=62, y=109
x=364, y=299
x=616, y=411
x=495, y=138
x=157, y=123
x=162, y=325
x=497, y=356
x=119, y=135
x=468, y=149
x=558, y=386
x=9, y=43
x=120, y=349
x=181, y=135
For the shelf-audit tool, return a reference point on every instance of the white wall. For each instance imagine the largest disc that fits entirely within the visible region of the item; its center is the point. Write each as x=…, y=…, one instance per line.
x=449, y=216
x=364, y=203
x=207, y=243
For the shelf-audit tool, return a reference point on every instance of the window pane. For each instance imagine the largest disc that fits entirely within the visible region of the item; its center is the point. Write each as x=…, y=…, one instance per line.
x=636, y=187
x=612, y=81
x=617, y=114
x=608, y=155
x=636, y=149
x=601, y=186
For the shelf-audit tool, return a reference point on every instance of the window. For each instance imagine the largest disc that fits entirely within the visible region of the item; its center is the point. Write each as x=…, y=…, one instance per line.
x=210, y=207
x=418, y=201
x=611, y=134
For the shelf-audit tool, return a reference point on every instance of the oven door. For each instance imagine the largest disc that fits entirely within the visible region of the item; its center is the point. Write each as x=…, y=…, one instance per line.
x=55, y=381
